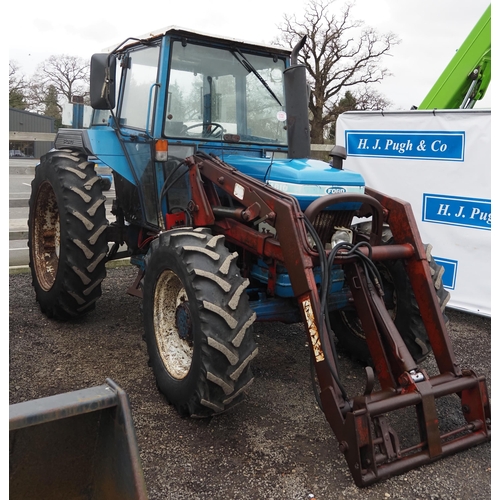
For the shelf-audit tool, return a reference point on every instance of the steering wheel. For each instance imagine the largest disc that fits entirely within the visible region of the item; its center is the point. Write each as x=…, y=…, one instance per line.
x=211, y=132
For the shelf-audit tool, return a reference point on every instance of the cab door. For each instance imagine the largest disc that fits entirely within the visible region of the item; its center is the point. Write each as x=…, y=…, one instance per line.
x=135, y=116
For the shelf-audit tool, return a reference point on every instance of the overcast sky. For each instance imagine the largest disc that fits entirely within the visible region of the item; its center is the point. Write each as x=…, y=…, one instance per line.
x=430, y=31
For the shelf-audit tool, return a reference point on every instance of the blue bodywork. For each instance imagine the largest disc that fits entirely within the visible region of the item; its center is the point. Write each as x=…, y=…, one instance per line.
x=259, y=151
x=306, y=179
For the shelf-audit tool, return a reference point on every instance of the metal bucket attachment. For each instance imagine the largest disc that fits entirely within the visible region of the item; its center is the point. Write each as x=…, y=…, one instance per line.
x=76, y=445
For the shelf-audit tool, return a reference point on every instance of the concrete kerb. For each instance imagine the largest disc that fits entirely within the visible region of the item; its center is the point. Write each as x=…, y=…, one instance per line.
x=109, y=265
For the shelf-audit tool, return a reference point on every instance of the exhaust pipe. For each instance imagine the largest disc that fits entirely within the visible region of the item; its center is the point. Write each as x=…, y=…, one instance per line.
x=297, y=106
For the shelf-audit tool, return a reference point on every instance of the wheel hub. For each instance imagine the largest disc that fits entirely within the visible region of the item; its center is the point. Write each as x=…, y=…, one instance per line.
x=183, y=322
x=45, y=236
x=173, y=325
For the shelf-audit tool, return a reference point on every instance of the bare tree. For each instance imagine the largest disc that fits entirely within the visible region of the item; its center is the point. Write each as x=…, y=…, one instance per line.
x=340, y=54
x=363, y=99
x=368, y=98
x=18, y=87
x=66, y=76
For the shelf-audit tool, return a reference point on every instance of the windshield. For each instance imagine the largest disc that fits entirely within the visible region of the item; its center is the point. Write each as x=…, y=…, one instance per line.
x=215, y=92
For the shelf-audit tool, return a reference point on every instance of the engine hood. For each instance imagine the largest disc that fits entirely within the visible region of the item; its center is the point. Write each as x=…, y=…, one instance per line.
x=306, y=179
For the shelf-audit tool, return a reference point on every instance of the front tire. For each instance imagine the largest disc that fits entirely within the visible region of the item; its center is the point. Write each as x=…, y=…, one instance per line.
x=67, y=234
x=198, y=322
x=401, y=304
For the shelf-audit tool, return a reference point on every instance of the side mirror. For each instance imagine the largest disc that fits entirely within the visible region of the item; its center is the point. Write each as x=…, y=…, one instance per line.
x=102, y=81
x=297, y=112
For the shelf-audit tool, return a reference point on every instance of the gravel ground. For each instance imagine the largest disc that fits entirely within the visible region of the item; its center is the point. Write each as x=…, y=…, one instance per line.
x=275, y=445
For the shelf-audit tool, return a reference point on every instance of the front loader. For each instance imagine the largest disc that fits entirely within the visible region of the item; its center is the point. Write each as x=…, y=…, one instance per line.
x=229, y=221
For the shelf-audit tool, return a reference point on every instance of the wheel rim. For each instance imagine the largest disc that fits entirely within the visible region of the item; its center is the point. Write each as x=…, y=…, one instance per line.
x=46, y=237
x=173, y=325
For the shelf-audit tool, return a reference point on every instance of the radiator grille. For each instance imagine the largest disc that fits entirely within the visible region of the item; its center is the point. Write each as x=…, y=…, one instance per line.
x=326, y=221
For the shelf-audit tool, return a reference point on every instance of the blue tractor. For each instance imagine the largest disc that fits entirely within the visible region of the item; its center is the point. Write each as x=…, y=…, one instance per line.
x=229, y=221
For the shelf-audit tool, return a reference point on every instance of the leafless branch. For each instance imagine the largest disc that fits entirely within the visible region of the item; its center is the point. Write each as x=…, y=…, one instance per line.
x=340, y=54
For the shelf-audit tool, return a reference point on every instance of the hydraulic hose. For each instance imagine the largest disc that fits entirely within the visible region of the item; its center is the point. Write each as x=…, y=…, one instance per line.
x=323, y=307
x=326, y=264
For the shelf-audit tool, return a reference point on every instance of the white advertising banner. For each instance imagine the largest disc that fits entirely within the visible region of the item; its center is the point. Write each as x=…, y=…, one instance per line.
x=440, y=162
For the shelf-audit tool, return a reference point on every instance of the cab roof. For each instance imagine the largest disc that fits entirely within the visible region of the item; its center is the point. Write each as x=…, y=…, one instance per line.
x=181, y=32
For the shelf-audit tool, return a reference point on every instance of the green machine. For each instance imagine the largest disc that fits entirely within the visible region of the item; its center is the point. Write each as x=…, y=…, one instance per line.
x=467, y=76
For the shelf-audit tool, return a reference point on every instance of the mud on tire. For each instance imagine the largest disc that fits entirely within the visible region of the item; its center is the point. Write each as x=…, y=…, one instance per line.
x=67, y=234
x=198, y=322
x=401, y=304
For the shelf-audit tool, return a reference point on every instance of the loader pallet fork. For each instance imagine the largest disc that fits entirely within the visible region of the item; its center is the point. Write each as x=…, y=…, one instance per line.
x=370, y=445
x=76, y=445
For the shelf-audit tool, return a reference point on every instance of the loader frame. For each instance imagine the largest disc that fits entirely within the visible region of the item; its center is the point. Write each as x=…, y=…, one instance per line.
x=370, y=445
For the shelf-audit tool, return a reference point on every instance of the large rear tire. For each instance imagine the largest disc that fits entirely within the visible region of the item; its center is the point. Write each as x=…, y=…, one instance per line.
x=67, y=234
x=198, y=322
x=401, y=304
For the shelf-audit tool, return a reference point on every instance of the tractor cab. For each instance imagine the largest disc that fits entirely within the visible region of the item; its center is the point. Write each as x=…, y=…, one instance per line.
x=160, y=99
x=195, y=90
